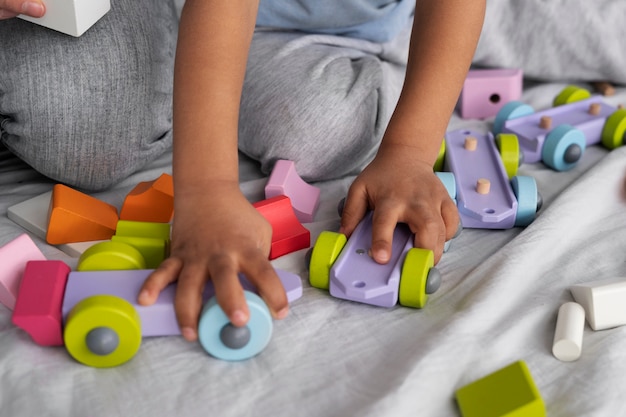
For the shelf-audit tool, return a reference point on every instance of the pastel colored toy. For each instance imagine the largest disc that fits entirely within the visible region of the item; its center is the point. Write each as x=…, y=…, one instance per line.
x=38, y=306
x=13, y=258
x=150, y=201
x=78, y=217
x=558, y=136
x=485, y=91
x=345, y=267
x=604, y=302
x=508, y=392
x=568, y=335
x=111, y=256
x=32, y=215
x=72, y=17
x=489, y=194
x=103, y=325
x=288, y=234
x=150, y=239
x=304, y=197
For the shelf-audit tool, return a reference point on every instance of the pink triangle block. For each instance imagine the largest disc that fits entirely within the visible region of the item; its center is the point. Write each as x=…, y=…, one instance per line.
x=13, y=257
x=284, y=180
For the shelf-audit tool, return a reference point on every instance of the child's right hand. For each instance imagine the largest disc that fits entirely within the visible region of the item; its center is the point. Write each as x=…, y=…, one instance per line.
x=11, y=8
x=215, y=236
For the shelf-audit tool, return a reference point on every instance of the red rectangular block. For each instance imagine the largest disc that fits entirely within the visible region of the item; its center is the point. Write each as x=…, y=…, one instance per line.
x=38, y=306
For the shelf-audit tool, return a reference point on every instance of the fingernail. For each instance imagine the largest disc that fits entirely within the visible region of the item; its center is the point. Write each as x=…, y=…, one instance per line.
x=188, y=333
x=238, y=318
x=282, y=313
x=144, y=297
x=33, y=8
x=381, y=255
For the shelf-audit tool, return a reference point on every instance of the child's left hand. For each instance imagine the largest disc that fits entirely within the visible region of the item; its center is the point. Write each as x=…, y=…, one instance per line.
x=401, y=188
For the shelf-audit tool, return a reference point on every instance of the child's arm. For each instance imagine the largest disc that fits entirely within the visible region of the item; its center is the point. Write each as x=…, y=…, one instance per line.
x=399, y=184
x=11, y=8
x=216, y=231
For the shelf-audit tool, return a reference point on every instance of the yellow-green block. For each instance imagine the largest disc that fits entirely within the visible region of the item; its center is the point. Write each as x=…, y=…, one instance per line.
x=154, y=250
x=143, y=229
x=509, y=392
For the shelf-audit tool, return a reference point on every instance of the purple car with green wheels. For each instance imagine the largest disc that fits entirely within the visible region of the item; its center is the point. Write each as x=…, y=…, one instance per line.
x=558, y=136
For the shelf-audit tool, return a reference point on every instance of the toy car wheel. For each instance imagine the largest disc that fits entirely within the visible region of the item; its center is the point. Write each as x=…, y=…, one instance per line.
x=614, y=131
x=563, y=147
x=441, y=157
x=102, y=331
x=511, y=110
x=508, y=145
x=448, y=181
x=223, y=340
x=325, y=252
x=528, y=199
x=417, y=270
x=111, y=256
x=571, y=94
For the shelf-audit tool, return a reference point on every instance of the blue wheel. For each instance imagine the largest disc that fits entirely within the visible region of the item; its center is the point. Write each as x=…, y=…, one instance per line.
x=563, y=147
x=224, y=341
x=511, y=110
x=447, y=178
x=525, y=189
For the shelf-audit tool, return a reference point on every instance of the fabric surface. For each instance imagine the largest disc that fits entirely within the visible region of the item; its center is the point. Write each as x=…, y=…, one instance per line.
x=554, y=40
x=323, y=101
x=498, y=302
x=108, y=93
x=374, y=20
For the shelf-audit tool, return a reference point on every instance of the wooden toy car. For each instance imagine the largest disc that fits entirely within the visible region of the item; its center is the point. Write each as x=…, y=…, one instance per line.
x=558, y=136
x=489, y=193
x=345, y=267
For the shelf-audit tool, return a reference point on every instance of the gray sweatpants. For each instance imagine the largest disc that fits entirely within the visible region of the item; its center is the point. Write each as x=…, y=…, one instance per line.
x=90, y=111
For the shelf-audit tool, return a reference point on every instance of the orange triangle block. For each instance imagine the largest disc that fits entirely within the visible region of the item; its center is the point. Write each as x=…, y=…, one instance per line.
x=77, y=217
x=150, y=201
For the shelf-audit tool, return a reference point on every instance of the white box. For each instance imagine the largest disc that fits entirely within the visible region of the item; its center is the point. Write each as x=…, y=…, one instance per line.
x=72, y=17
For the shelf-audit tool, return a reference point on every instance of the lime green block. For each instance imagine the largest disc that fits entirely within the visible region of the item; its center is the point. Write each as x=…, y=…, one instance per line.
x=111, y=256
x=143, y=229
x=154, y=250
x=509, y=392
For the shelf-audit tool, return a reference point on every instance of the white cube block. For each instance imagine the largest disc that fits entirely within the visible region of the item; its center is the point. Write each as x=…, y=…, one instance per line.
x=604, y=302
x=72, y=17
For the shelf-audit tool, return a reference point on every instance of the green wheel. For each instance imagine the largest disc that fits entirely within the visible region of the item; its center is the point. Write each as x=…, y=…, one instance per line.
x=416, y=271
x=325, y=252
x=508, y=145
x=440, y=158
x=614, y=131
x=571, y=94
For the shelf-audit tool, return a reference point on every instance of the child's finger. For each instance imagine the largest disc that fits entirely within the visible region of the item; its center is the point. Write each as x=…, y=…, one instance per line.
x=262, y=275
x=384, y=223
x=188, y=300
x=165, y=274
x=354, y=209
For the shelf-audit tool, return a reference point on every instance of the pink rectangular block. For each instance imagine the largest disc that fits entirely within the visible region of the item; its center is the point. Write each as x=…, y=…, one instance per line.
x=485, y=91
x=38, y=305
x=13, y=258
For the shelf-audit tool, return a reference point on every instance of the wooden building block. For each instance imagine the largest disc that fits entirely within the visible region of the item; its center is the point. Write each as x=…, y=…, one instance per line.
x=284, y=180
x=604, y=302
x=509, y=392
x=288, y=234
x=13, y=258
x=72, y=17
x=150, y=201
x=78, y=217
x=38, y=305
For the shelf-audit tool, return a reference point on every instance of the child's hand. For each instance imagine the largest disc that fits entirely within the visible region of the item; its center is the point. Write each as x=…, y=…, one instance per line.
x=401, y=189
x=11, y=8
x=215, y=236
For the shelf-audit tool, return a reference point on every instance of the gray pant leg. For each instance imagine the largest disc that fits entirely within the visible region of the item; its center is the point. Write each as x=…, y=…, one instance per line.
x=89, y=111
x=321, y=101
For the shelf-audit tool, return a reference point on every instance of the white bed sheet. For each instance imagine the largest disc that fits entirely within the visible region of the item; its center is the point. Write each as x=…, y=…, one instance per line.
x=497, y=304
